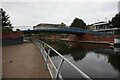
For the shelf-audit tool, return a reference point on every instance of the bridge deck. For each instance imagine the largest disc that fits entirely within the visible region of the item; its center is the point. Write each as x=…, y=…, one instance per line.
x=23, y=61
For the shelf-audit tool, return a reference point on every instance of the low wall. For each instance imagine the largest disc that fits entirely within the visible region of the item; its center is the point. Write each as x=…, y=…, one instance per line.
x=12, y=41
x=11, y=38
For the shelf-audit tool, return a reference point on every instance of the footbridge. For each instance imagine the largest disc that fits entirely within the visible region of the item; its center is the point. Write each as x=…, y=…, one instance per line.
x=67, y=30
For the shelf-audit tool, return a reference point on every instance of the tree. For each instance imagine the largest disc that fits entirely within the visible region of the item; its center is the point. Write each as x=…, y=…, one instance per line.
x=116, y=21
x=5, y=22
x=79, y=23
x=63, y=24
x=18, y=30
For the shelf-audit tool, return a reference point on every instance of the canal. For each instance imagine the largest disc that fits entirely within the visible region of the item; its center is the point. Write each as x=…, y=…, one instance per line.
x=96, y=60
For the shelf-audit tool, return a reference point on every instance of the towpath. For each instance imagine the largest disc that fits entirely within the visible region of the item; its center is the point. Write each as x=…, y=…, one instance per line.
x=23, y=61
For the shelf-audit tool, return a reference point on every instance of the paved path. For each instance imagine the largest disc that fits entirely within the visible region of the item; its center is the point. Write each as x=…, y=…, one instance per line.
x=23, y=61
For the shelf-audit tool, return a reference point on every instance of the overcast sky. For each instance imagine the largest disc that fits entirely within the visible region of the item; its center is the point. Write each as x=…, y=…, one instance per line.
x=34, y=12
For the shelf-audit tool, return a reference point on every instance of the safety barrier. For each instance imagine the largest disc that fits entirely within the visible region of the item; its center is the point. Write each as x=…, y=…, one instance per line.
x=45, y=50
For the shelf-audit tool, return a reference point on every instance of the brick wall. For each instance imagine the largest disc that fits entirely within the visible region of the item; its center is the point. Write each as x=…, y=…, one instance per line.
x=92, y=37
x=8, y=35
x=10, y=38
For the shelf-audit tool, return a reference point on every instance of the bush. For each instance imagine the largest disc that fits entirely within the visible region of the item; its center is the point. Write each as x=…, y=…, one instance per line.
x=6, y=29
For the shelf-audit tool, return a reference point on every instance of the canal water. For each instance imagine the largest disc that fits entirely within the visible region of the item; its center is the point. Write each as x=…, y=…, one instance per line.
x=96, y=60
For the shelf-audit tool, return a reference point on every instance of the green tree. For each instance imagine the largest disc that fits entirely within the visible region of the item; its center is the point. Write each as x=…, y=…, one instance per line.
x=5, y=23
x=18, y=30
x=63, y=24
x=116, y=21
x=79, y=23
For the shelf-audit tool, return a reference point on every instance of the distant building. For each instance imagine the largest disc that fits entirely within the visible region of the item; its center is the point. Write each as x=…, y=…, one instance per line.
x=100, y=25
x=91, y=27
x=46, y=26
x=104, y=27
x=118, y=6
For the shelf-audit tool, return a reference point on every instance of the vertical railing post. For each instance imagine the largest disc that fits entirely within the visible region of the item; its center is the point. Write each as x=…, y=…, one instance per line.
x=42, y=51
x=39, y=45
x=48, y=53
x=59, y=67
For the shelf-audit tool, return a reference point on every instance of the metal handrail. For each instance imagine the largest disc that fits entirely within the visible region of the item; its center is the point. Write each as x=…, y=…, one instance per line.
x=41, y=46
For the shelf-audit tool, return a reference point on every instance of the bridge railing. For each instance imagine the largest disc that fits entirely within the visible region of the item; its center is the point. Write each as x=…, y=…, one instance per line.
x=70, y=30
x=46, y=50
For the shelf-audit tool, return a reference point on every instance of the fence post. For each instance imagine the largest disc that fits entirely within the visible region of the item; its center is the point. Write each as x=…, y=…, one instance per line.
x=48, y=53
x=39, y=46
x=59, y=67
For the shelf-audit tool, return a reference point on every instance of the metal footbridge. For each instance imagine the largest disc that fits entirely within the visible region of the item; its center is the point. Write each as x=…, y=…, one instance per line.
x=66, y=30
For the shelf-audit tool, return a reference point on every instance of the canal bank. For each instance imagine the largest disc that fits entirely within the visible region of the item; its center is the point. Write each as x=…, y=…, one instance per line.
x=101, y=38
x=92, y=42
x=116, y=44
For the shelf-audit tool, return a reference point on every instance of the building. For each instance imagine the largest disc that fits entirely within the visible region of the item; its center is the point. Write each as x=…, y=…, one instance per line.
x=46, y=26
x=90, y=27
x=104, y=27
x=118, y=6
x=100, y=25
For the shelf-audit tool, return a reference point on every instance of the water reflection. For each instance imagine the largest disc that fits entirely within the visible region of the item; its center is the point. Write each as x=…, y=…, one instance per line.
x=101, y=59
x=115, y=61
x=113, y=54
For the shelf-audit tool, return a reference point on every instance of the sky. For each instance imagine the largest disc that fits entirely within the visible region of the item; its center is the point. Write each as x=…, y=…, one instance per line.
x=26, y=14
